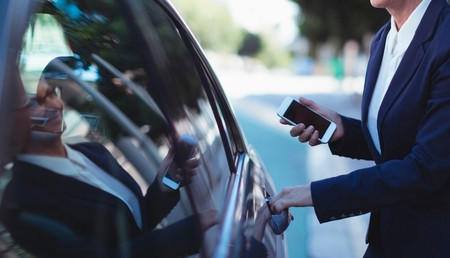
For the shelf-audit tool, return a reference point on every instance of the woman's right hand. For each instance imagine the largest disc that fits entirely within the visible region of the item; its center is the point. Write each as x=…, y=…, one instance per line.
x=310, y=134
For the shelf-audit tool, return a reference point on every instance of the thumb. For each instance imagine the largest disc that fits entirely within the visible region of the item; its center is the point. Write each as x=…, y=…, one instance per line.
x=307, y=102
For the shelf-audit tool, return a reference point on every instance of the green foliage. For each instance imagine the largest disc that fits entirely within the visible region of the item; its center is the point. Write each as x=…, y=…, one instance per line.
x=339, y=20
x=211, y=24
x=272, y=53
x=251, y=45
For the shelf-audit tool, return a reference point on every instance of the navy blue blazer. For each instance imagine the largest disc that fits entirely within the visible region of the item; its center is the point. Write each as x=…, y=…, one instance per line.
x=52, y=215
x=408, y=190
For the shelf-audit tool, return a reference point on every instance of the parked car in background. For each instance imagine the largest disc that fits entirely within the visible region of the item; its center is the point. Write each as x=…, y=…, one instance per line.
x=133, y=77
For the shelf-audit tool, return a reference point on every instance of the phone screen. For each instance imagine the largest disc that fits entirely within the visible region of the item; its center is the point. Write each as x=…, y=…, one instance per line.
x=298, y=113
x=186, y=149
x=170, y=175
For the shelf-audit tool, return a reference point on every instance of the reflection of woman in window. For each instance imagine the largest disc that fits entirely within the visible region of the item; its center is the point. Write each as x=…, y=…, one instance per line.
x=76, y=200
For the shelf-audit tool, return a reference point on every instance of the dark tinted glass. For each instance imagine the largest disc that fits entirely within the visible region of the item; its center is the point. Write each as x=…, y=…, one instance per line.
x=135, y=91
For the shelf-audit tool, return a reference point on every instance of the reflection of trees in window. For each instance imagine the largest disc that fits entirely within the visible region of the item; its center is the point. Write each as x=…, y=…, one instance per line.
x=106, y=35
x=178, y=70
x=97, y=28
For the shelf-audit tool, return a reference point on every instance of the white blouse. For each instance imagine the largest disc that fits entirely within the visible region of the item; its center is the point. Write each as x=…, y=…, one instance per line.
x=397, y=42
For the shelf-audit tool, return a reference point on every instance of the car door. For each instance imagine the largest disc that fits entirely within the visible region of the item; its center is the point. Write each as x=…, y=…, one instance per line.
x=133, y=78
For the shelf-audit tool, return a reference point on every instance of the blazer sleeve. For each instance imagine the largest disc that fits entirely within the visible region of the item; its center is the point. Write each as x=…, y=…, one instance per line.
x=158, y=204
x=353, y=145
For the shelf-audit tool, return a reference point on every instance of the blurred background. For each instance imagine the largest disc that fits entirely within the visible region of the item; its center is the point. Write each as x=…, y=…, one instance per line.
x=264, y=50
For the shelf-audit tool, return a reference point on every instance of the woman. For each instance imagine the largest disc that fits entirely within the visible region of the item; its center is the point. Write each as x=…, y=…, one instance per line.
x=404, y=128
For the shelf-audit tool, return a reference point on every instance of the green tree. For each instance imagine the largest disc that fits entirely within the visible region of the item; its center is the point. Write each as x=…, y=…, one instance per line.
x=214, y=28
x=212, y=24
x=251, y=45
x=339, y=20
x=273, y=54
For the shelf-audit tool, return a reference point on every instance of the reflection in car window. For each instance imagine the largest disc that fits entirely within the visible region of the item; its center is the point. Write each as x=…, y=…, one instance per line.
x=119, y=93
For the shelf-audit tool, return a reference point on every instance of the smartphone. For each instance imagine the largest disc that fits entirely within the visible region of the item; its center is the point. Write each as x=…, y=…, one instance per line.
x=169, y=178
x=295, y=112
x=185, y=149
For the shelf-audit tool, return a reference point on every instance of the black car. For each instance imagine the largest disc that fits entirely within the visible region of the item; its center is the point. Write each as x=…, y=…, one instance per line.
x=133, y=78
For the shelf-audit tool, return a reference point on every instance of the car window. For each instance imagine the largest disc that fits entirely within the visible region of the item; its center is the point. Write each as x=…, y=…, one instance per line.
x=135, y=92
x=230, y=132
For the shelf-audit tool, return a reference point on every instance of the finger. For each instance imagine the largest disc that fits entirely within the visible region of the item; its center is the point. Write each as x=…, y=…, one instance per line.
x=282, y=121
x=184, y=180
x=189, y=173
x=276, y=207
x=306, y=135
x=275, y=204
x=307, y=102
x=264, y=212
x=264, y=209
x=314, y=140
x=297, y=130
x=192, y=163
x=179, y=178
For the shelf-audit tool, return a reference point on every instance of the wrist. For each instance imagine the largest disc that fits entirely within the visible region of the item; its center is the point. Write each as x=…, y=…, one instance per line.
x=339, y=133
x=307, y=197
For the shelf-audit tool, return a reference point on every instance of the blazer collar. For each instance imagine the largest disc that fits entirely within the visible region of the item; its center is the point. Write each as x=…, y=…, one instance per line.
x=408, y=65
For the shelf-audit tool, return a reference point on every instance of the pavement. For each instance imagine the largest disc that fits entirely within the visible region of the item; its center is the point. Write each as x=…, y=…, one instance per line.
x=260, y=96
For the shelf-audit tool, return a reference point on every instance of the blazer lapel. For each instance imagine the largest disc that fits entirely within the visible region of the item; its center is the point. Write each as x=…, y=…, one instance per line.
x=102, y=158
x=373, y=69
x=98, y=154
x=412, y=58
